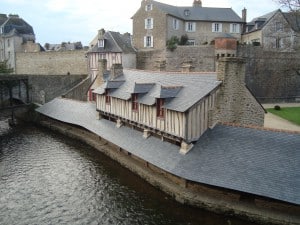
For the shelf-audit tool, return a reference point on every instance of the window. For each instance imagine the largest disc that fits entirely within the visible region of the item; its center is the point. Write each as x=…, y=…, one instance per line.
x=160, y=111
x=148, y=7
x=148, y=41
x=278, y=26
x=175, y=24
x=107, y=97
x=278, y=43
x=190, y=26
x=134, y=102
x=234, y=28
x=8, y=43
x=101, y=43
x=191, y=42
x=149, y=23
x=216, y=27
x=187, y=12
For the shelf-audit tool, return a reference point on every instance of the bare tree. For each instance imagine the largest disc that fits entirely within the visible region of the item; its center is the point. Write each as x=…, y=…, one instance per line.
x=292, y=5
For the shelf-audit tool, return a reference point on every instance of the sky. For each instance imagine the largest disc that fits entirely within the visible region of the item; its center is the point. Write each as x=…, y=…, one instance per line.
x=56, y=21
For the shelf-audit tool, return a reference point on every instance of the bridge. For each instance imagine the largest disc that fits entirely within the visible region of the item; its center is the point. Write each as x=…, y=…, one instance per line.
x=14, y=94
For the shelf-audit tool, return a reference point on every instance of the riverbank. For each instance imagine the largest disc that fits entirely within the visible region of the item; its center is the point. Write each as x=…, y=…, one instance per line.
x=220, y=200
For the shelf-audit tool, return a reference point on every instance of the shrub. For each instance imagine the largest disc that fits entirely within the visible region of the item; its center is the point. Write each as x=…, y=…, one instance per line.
x=277, y=107
x=172, y=43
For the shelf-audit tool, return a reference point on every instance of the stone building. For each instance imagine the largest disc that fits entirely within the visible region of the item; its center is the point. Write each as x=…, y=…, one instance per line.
x=275, y=30
x=16, y=35
x=178, y=106
x=154, y=23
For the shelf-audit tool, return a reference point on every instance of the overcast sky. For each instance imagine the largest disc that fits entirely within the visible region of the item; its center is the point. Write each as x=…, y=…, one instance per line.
x=55, y=21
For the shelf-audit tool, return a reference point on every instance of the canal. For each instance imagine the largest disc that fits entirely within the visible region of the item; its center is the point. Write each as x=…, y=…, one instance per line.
x=46, y=178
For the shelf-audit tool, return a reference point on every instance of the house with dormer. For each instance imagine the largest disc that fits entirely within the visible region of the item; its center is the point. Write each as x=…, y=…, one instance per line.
x=116, y=48
x=16, y=35
x=276, y=30
x=154, y=23
x=177, y=106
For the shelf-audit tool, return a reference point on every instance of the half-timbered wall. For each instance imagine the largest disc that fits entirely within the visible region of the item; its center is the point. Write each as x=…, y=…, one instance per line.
x=111, y=57
x=198, y=117
x=188, y=126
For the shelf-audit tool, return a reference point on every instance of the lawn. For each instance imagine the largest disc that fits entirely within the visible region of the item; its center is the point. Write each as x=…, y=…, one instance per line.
x=291, y=114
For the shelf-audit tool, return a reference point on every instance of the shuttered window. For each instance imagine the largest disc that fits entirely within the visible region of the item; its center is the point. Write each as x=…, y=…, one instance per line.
x=148, y=41
x=134, y=102
x=107, y=97
x=160, y=111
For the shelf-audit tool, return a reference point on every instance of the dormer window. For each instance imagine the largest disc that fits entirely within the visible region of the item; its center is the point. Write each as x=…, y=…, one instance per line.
x=160, y=111
x=148, y=7
x=187, y=12
x=101, y=43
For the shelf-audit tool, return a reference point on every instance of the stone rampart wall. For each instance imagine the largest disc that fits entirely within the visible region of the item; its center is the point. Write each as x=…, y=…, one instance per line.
x=52, y=63
x=272, y=76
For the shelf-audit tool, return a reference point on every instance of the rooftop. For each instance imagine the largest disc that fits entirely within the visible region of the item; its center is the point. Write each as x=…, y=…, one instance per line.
x=182, y=89
x=259, y=162
x=199, y=13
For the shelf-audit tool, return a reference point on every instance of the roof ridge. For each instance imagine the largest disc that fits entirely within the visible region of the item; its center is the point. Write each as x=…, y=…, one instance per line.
x=255, y=127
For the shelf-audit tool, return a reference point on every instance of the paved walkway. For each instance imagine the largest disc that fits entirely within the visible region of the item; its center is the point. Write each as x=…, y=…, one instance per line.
x=276, y=122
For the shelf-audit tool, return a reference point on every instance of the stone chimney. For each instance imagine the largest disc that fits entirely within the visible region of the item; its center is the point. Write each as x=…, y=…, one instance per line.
x=235, y=103
x=116, y=70
x=101, y=33
x=244, y=15
x=187, y=67
x=197, y=3
x=102, y=68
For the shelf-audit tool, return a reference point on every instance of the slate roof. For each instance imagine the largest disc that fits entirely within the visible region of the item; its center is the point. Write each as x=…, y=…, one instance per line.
x=261, y=21
x=200, y=13
x=115, y=42
x=294, y=20
x=185, y=89
x=259, y=162
x=16, y=24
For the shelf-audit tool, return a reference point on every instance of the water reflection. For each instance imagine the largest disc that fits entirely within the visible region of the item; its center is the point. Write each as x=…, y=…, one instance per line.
x=49, y=179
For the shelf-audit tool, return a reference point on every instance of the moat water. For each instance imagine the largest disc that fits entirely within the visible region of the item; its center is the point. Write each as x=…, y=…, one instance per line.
x=46, y=178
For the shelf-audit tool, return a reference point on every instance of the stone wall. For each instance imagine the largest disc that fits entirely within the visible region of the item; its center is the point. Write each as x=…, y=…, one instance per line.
x=235, y=103
x=202, y=58
x=52, y=63
x=45, y=88
x=272, y=76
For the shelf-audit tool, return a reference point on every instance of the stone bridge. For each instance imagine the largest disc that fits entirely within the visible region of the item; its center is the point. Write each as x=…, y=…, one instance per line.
x=14, y=91
x=20, y=90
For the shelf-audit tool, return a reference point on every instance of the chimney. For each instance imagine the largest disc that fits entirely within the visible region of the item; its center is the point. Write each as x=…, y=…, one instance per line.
x=235, y=103
x=244, y=15
x=102, y=68
x=101, y=33
x=116, y=70
x=197, y=3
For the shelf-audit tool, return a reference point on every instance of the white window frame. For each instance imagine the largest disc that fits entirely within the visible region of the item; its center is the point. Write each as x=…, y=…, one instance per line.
x=216, y=27
x=148, y=7
x=149, y=23
x=148, y=41
x=175, y=24
x=190, y=26
x=235, y=28
x=101, y=43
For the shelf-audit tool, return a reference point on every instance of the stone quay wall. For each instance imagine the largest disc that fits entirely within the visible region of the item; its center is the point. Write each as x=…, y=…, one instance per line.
x=218, y=200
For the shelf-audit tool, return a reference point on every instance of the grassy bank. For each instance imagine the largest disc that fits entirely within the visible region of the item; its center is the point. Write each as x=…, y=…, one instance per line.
x=291, y=114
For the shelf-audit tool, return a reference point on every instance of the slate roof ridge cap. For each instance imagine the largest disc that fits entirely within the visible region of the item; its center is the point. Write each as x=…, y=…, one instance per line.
x=255, y=127
x=171, y=72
